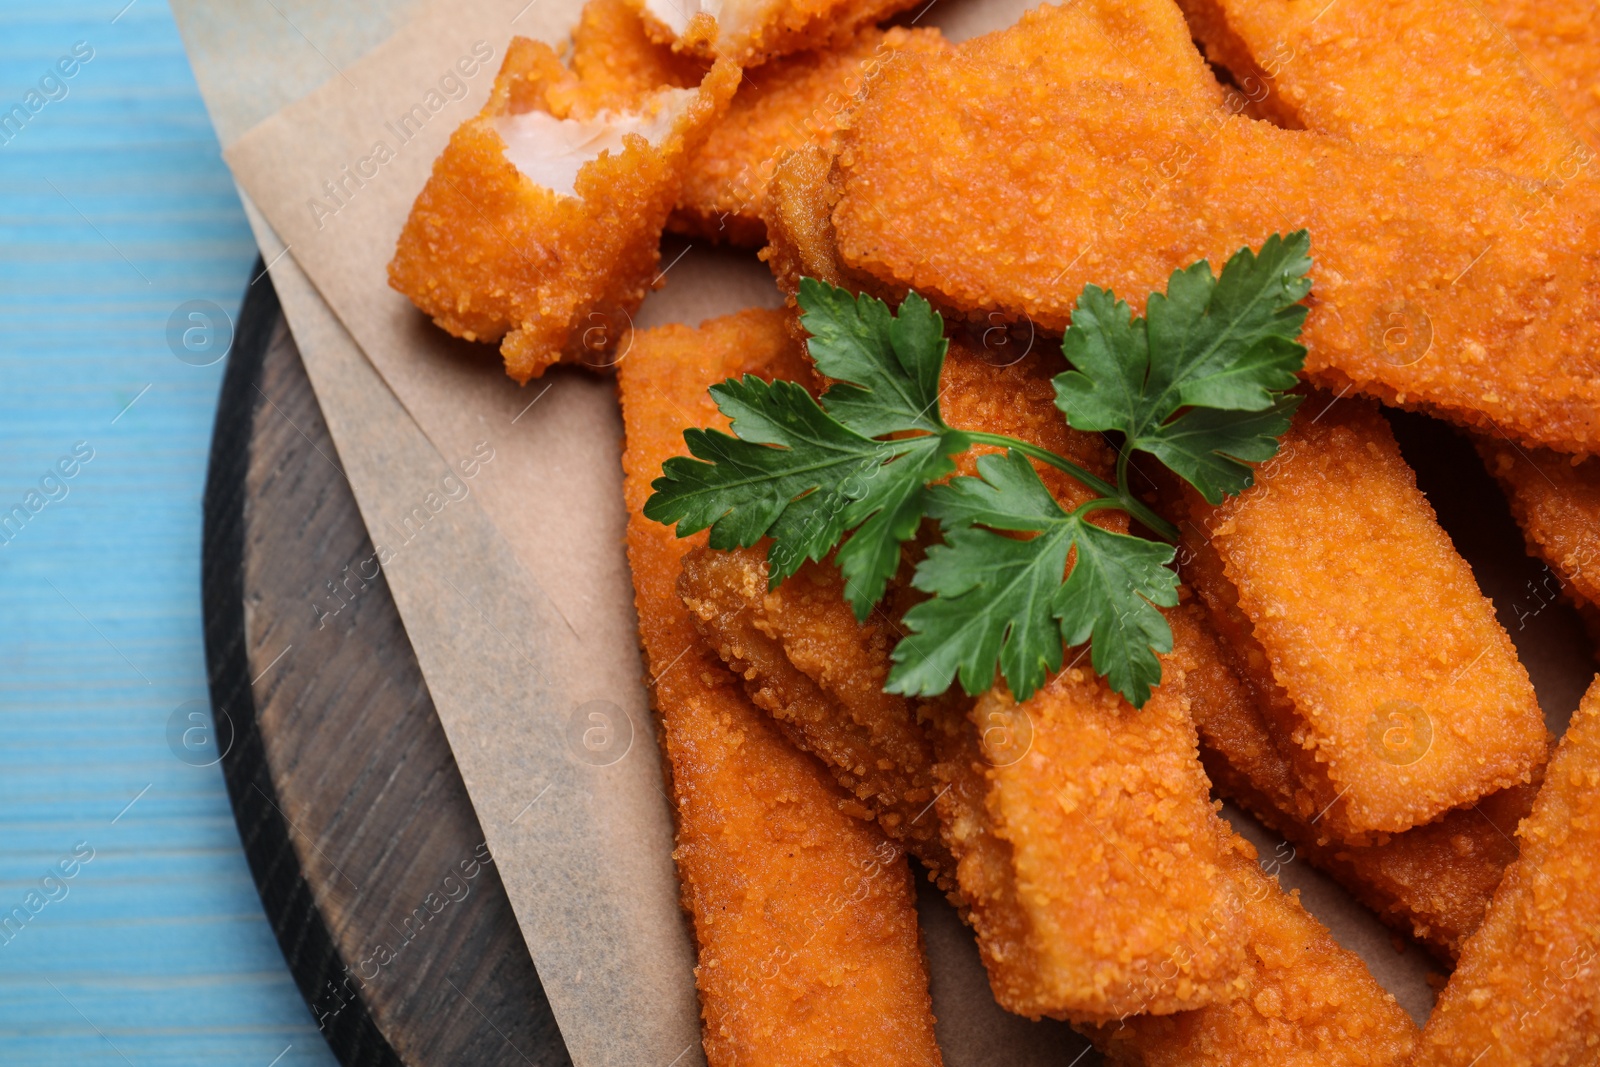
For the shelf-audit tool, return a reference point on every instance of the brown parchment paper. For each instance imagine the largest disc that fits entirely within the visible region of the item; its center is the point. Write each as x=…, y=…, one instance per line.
x=516, y=598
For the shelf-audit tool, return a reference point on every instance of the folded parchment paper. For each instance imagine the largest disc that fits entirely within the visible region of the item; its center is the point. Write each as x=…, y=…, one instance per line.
x=516, y=596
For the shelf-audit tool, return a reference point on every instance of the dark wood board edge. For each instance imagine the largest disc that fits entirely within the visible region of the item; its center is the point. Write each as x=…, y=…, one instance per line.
x=286, y=896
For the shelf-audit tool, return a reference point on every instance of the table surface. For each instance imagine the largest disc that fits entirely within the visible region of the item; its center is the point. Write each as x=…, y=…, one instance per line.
x=115, y=209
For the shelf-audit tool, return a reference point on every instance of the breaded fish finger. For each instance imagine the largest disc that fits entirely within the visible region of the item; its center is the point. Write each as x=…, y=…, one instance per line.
x=1560, y=40
x=1393, y=74
x=540, y=224
x=1025, y=189
x=1557, y=505
x=809, y=950
x=1307, y=1002
x=1380, y=668
x=1527, y=989
x=1087, y=851
x=876, y=751
x=1432, y=882
x=1303, y=1001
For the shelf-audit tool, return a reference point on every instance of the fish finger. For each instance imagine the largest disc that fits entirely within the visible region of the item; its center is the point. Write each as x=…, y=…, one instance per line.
x=1380, y=668
x=1527, y=989
x=540, y=224
x=809, y=949
x=1025, y=188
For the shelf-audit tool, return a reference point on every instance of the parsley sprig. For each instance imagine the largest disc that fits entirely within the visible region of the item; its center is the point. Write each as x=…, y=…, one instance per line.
x=1198, y=383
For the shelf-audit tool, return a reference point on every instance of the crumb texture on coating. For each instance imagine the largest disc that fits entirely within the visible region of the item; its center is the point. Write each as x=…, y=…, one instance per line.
x=1390, y=683
x=1390, y=75
x=1026, y=186
x=1557, y=504
x=1306, y=1001
x=1527, y=988
x=1560, y=40
x=809, y=950
x=1431, y=882
x=553, y=260
x=785, y=105
x=752, y=32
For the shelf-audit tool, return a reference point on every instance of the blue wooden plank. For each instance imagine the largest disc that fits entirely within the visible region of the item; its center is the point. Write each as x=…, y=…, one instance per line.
x=114, y=209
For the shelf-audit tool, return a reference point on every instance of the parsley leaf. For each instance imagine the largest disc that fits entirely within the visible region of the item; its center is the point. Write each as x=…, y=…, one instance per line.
x=886, y=366
x=805, y=473
x=1200, y=383
x=1003, y=598
x=1212, y=345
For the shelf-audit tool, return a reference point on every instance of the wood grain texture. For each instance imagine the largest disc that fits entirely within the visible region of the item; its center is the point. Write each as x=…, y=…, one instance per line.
x=356, y=823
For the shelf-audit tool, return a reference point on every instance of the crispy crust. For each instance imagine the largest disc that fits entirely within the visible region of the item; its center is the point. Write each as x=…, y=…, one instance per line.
x=866, y=738
x=1306, y=1001
x=787, y=104
x=1303, y=999
x=1560, y=41
x=1347, y=606
x=1091, y=862
x=491, y=255
x=1133, y=43
x=1527, y=989
x=1025, y=188
x=1389, y=75
x=1143, y=45
x=809, y=950
x=1431, y=882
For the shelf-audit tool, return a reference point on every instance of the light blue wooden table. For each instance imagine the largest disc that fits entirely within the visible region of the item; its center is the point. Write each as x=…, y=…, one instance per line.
x=114, y=209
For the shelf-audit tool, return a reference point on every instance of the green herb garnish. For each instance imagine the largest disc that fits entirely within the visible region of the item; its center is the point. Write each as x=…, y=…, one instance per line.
x=1198, y=383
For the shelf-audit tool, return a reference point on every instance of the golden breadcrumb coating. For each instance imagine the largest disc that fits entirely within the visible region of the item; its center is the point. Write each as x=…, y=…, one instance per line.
x=491, y=254
x=1134, y=43
x=1094, y=883
x=1141, y=44
x=1304, y=1000
x=1431, y=882
x=1557, y=504
x=1085, y=846
x=1307, y=1002
x=785, y=105
x=614, y=63
x=866, y=738
x=809, y=949
x=1380, y=668
x=1560, y=41
x=827, y=693
x=799, y=218
x=989, y=187
x=1527, y=989
x=751, y=32
x=1389, y=75
x=1425, y=77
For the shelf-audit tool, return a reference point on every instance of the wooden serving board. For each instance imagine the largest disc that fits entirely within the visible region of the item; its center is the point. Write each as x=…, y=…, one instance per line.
x=354, y=819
